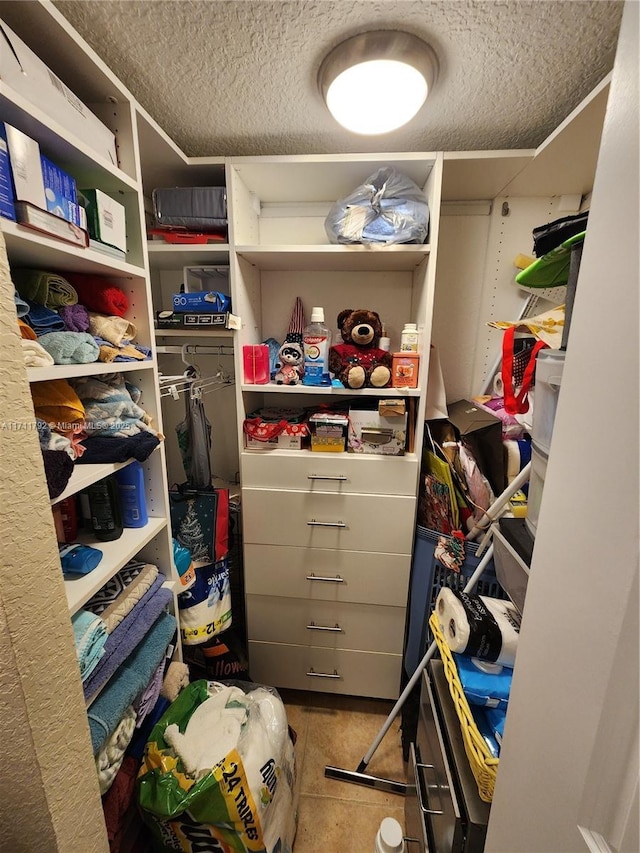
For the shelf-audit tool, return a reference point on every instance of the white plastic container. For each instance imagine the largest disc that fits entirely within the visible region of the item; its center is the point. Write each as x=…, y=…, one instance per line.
x=539, y=461
x=389, y=838
x=409, y=338
x=549, y=366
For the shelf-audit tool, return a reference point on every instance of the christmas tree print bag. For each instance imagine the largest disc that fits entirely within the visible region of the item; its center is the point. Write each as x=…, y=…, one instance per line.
x=200, y=522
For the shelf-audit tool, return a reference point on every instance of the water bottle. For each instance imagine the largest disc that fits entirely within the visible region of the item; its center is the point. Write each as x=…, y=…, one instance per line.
x=389, y=838
x=316, y=342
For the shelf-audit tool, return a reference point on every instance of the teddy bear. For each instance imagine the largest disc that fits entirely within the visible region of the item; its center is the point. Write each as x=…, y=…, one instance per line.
x=359, y=362
x=290, y=363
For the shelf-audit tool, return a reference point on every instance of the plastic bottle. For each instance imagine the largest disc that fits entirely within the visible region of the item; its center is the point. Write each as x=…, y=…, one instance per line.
x=409, y=338
x=104, y=508
x=385, y=342
x=316, y=341
x=389, y=838
x=133, y=501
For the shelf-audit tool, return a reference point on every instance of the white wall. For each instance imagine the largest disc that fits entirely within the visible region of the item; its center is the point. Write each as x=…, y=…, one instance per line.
x=576, y=678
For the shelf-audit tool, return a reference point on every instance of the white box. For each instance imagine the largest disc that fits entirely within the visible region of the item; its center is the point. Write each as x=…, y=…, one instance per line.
x=377, y=434
x=106, y=219
x=26, y=169
x=22, y=71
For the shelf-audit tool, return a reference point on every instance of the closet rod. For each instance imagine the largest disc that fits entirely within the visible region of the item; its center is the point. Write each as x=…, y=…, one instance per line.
x=197, y=349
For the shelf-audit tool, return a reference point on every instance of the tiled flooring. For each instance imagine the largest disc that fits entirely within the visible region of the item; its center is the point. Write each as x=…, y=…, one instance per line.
x=336, y=816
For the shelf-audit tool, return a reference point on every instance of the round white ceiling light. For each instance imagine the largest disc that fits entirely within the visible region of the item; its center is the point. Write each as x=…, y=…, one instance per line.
x=377, y=81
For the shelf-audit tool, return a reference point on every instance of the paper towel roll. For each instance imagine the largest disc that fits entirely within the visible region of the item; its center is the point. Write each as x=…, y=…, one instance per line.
x=479, y=626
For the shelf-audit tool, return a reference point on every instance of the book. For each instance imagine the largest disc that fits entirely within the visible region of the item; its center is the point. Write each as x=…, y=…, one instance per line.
x=33, y=217
x=107, y=250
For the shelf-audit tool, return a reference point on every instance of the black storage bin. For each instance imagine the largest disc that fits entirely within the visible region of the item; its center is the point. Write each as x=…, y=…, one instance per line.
x=193, y=208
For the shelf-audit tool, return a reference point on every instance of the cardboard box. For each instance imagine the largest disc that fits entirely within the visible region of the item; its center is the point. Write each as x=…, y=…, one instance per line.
x=6, y=184
x=287, y=440
x=173, y=320
x=328, y=432
x=482, y=433
x=380, y=434
x=26, y=168
x=105, y=219
x=404, y=370
x=22, y=71
x=60, y=192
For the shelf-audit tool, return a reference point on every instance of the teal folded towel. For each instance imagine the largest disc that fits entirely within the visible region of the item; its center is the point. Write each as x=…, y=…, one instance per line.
x=90, y=635
x=70, y=347
x=129, y=680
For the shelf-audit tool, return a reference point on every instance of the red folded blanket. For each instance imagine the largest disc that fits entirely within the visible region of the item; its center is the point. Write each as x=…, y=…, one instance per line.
x=99, y=294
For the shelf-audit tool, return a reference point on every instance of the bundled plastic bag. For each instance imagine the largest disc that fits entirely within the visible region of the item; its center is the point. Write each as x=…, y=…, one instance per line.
x=218, y=772
x=388, y=208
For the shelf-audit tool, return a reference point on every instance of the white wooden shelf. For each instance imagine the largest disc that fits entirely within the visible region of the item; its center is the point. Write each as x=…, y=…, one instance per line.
x=68, y=151
x=172, y=256
x=326, y=390
x=85, y=475
x=114, y=556
x=194, y=333
x=31, y=248
x=334, y=258
x=66, y=371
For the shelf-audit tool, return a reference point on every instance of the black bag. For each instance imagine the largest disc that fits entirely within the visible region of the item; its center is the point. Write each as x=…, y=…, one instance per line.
x=549, y=236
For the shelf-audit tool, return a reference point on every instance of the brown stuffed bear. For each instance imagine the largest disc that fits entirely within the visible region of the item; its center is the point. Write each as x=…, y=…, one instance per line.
x=359, y=362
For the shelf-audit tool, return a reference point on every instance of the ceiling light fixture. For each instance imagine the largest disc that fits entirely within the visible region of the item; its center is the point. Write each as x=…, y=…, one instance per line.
x=377, y=81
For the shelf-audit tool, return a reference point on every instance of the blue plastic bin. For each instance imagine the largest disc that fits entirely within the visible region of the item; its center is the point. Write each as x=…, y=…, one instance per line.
x=428, y=577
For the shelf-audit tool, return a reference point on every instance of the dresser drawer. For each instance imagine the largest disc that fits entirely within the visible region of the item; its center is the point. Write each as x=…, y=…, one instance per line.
x=331, y=472
x=353, y=522
x=326, y=574
x=371, y=674
x=330, y=624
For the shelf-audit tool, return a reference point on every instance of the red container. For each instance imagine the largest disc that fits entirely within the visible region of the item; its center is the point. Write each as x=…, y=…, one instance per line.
x=255, y=360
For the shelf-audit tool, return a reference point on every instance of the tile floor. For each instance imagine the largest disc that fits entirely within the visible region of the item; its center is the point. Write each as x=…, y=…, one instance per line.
x=335, y=816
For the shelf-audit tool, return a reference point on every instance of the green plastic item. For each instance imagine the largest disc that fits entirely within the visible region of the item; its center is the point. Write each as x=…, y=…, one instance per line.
x=552, y=269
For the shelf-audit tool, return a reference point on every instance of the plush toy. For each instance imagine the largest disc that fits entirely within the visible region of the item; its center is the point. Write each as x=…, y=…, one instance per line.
x=290, y=363
x=359, y=362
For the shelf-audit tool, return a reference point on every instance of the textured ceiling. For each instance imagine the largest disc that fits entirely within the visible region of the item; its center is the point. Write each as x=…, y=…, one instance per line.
x=225, y=77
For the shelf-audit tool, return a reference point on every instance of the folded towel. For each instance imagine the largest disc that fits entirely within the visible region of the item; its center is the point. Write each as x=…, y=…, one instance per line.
x=110, y=758
x=35, y=355
x=141, y=736
x=56, y=402
x=145, y=703
x=118, y=801
x=74, y=435
x=122, y=592
x=26, y=331
x=61, y=442
x=124, y=639
x=116, y=330
x=45, y=288
x=129, y=680
x=90, y=637
x=75, y=318
x=175, y=680
x=99, y=294
x=70, y=347
x=44, y=433
x=129, y=352
x=58, y=468
x=108, y=406
x=43, y=320
x=22, y=307
x=99, y=448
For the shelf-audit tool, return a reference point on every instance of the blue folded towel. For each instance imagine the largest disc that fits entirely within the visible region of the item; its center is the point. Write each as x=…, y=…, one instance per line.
x=22, y=307
x=43, y=320
x=129, y=680
x=70, y=347
x=124, y=639
x=90, y=636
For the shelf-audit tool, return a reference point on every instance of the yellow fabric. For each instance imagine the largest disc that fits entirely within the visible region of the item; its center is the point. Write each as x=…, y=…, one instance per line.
x=26, y=331
x=56, y=402
x=547, y=327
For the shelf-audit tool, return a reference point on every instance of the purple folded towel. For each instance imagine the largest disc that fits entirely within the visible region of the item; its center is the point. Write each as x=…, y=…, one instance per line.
x=74, y=317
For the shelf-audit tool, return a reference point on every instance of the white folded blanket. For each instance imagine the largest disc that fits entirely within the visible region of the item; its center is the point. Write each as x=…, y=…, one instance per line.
x=35, y=355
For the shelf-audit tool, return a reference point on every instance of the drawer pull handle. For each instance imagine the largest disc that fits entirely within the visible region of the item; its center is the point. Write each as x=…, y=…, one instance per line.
x=434, y=787
x=313, y=577
x=340, y=477
x=313, y=674
x=313, y=523
x=313, y=627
